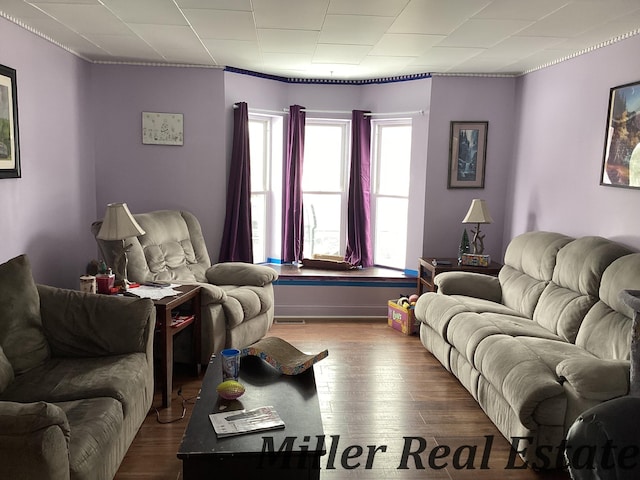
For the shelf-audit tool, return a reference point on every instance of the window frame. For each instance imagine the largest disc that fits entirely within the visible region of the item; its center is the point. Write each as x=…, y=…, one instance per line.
x=343, y=192
x=376, y=138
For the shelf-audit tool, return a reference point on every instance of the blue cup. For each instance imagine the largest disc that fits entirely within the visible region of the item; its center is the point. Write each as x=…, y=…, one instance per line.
x=230, y=364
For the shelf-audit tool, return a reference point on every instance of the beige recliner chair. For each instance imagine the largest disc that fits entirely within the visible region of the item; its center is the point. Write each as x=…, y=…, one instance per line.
x=237, y=298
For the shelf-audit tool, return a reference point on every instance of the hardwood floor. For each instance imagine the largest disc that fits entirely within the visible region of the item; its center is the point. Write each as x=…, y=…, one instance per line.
x=376, y=387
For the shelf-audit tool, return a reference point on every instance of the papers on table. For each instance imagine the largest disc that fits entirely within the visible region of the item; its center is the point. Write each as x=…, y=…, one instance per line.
x=154, y=292
x=231, y=423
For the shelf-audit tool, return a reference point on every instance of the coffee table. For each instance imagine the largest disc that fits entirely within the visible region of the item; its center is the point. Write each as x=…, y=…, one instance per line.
x=256, y=455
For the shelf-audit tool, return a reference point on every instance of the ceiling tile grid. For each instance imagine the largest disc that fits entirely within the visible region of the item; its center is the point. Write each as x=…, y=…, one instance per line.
x=331, y=39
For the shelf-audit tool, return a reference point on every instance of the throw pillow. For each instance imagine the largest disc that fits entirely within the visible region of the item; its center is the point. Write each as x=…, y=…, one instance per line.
x=21, y=333
x=6, y=371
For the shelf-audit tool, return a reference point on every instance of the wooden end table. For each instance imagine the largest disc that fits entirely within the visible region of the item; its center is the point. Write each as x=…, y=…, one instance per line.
x=427, y=270
x=166, y=331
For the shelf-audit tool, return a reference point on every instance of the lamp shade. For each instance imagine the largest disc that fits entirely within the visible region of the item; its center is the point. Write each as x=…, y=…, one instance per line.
x=118, y=223
x=478, y=212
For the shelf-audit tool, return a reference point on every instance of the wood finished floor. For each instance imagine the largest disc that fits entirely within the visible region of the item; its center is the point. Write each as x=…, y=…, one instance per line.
x=375, y=387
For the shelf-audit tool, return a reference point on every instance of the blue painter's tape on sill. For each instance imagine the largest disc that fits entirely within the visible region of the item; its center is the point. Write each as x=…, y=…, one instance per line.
x=345, y=283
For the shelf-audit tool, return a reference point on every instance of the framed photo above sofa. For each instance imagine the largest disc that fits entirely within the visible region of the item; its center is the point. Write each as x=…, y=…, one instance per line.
x=9, y=148
x=621, y=158
x=467, y=154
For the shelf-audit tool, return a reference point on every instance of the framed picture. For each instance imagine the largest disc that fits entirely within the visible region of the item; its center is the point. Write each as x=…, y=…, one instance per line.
x=467, y=154
x=9, y=148
x=621, y=157
x=162, y=128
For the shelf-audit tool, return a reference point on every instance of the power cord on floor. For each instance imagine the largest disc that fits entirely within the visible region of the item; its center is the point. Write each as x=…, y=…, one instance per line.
x=185, y=401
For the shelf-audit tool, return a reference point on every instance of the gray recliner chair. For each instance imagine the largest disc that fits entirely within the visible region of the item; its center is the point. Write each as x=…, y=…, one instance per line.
x=237, y=298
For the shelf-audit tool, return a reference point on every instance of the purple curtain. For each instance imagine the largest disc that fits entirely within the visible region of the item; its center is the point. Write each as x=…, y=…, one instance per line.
x=359, y=250
x=236, y=237
x=292, y=221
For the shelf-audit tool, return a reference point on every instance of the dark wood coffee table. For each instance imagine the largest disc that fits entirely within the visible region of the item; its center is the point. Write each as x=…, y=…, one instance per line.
x=290, y=453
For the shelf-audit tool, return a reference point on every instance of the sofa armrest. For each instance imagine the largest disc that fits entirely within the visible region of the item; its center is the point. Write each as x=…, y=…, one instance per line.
x=79, y=324
x=34, y=441
x=594, y=378
x=477, y=285
x=239, y=273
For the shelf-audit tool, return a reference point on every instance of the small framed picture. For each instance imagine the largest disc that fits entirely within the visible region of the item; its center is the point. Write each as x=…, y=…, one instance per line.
x=621, y=157
x=9, y=146
x=162, y=128
x=467, y=154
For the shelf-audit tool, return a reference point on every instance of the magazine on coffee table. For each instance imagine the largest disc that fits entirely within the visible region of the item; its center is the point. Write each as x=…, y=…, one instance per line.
x=238, y=422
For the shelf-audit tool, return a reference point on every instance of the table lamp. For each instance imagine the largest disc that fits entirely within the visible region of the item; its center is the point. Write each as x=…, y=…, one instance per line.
x=478, y=213
x=119, y=224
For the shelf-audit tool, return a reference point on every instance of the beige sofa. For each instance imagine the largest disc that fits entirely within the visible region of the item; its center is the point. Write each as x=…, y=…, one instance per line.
x=237, y=298
x=544, y=341
x=76, y=378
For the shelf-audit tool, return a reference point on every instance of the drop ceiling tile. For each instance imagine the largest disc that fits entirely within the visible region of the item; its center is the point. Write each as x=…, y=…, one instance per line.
x=483, y=32
x=354, y=30
x=577, y=17
x=188, y=56
x=520, y=9
x=386, y=63
x=287, y=41
x=70, y=2
x=244, y=5
x=350, y=54
x=600, y=34
x=167, y=37
x=86, y=18
x=435, y=17
x=292, y=14
x=443, y=56
x=162, y=12
x=222, y=24
x=382, y=8
x=21, y=10
x=516, y=47
x=405, y=44
x=235, y=53
x=538, y=59
x=129, y=47
x=295, y=61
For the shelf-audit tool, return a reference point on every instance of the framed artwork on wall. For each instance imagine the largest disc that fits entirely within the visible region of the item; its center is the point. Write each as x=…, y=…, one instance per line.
x=621, y=157
x=467, y=154
x=162, y=128
x=9, y=145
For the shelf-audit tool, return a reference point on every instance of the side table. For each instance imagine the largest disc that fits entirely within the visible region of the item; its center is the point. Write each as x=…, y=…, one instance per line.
x=427, y=270
x=166, y=331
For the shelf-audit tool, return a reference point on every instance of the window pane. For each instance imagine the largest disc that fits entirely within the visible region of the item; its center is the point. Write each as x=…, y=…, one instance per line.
x=257, y=150
x=394, y=150
x=391, y=232
x=258, y=227
x=321, y=224
x=323, y=153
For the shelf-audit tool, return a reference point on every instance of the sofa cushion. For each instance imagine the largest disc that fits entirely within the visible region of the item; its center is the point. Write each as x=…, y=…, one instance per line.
x=574, y=287
x=528, y=266
x=610, y=317
x=122, y=377
x=6, y=371
x=466, y=330
x=523, y=371
x=96, y=425
x=21, y=333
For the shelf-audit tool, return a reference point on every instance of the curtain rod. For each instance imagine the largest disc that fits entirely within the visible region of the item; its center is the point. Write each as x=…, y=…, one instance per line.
x=343, y=112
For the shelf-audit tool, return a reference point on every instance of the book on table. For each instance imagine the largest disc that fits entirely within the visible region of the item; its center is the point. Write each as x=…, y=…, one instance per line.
x=238, y=422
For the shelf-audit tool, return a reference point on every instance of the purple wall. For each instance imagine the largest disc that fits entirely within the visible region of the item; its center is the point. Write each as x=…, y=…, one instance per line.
x=46, y=213
x=562, y=121
x=468, y=99
x=153, y=177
